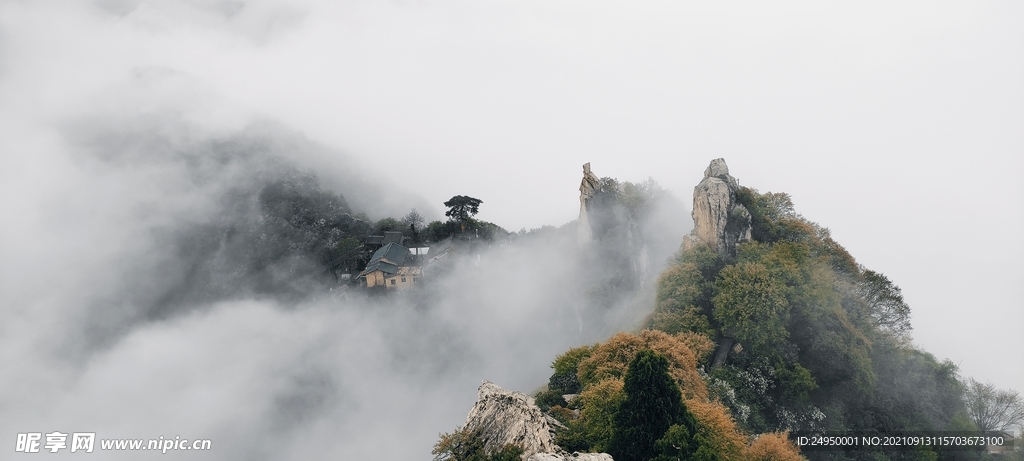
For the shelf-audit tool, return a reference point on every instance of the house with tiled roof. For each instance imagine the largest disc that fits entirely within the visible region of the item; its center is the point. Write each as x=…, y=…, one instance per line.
x=391, y=266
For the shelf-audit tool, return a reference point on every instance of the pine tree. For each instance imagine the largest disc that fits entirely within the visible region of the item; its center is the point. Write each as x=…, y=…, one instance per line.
x=653, y=404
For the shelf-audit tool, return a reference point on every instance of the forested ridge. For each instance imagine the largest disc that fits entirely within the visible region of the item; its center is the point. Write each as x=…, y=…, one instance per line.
x=276, y=231
x=787, y=332
x=815, y=342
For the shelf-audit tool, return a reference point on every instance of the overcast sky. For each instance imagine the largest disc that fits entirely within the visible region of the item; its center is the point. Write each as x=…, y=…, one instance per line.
x=898, y=125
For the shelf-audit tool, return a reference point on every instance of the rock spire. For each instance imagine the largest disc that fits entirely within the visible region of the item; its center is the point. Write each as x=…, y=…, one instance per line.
x=719, y=221
x=612, y=231
x=588, y=188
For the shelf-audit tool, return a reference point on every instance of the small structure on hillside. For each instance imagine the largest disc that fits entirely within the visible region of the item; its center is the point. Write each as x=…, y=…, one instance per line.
x=391, y=266
x=1007, y=445
x=375, y=242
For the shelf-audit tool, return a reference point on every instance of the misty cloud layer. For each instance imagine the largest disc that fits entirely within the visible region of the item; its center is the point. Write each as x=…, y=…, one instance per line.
x=133, y=133
x=133, y=319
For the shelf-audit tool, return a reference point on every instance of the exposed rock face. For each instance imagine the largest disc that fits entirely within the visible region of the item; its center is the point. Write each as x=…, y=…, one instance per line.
x=507, y=417
x=606, y=226
x=588, y=188
x=718, y=220
x=572, y=457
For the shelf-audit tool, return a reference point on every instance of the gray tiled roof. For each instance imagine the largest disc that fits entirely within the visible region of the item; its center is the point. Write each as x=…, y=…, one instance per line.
x=383, y=266
x=393, y=237
x=388, y=258
x=392, y=253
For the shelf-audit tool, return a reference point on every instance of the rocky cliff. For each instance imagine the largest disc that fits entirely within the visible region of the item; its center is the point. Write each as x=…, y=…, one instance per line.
x=611, y=232
x=506, y=417
x=512, y=418
x=718, y=220
x=571, y=457
x=588, y=188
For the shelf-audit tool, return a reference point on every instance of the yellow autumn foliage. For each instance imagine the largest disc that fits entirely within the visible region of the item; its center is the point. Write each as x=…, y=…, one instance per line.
x=602, y=372
x=717, y=428
x=611, y=358
x=772, y=447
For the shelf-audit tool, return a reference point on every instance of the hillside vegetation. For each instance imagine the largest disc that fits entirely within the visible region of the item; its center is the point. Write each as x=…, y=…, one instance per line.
x=818, y=343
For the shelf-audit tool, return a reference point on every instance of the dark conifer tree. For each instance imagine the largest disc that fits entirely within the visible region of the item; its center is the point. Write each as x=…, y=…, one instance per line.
x=653, y=404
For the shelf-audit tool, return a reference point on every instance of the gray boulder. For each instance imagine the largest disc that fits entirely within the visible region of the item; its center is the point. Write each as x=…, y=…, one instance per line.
x=507, y=417
x=513, y=418
x=572, y=457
